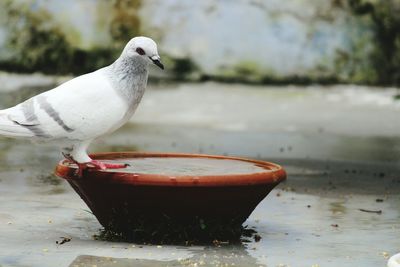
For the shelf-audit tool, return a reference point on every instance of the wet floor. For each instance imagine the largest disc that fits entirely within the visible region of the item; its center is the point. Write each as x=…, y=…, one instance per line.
x=339, y=206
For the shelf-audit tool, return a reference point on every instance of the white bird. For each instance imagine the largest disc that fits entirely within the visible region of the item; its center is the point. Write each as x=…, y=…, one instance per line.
x=394, y=261
x=86, y=107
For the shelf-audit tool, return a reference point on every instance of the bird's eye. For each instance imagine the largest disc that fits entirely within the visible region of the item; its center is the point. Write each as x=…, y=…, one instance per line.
x=140, y=51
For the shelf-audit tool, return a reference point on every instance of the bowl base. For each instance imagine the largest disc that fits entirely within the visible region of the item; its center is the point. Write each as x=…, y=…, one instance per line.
x=167, y=231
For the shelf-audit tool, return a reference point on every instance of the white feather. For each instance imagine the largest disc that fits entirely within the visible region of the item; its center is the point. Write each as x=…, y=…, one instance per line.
x=86, y=107
x=10, y=129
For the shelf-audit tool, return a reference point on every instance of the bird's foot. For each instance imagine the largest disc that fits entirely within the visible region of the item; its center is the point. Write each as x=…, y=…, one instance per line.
x=93, y=164
x=103, y=166
x=81, y=166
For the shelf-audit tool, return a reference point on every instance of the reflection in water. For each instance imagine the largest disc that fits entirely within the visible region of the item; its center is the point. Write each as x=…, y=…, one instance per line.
x=384, y=149
x=209, y=256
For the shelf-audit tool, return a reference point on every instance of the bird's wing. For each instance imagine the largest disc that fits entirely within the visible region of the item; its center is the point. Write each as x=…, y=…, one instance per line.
x=13, y=124
x=78, y=109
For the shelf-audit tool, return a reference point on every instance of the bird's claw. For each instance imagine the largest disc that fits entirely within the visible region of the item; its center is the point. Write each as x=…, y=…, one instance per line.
x=81, y=166
x=80, y=170
x=93, y=164
x=103, y=165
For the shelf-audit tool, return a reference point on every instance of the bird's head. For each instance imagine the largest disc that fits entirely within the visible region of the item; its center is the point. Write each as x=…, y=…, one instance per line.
x=144, y=48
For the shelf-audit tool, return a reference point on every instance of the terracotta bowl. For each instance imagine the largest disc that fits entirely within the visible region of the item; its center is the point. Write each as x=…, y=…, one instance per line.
x=160, y=190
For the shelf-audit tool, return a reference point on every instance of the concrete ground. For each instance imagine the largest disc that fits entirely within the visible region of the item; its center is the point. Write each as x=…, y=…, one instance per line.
x=340, y=146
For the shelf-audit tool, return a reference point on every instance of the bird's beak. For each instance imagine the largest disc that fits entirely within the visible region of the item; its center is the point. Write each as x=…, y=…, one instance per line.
x=156, y=61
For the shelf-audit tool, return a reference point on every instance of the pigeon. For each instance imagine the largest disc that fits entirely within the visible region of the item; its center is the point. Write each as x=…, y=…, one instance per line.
x=86, y=107
x=394, y=261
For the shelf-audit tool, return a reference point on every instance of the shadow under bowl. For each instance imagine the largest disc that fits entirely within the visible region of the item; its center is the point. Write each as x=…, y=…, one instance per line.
x=203, y=194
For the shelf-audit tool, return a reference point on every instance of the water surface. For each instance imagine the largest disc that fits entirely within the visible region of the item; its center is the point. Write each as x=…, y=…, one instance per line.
x=188, y=166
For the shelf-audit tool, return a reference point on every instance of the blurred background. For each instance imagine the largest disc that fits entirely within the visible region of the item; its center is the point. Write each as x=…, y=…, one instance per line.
x=293, y=79
x=311, y=85
x=252, y=41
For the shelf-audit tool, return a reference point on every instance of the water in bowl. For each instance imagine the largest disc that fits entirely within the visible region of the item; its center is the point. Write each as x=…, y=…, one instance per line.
x=180, y=166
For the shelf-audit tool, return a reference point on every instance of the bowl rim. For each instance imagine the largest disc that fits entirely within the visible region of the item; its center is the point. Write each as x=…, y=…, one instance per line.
x=273, y=174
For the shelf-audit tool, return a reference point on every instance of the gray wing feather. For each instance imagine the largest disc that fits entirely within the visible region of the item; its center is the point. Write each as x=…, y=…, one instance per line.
x=21, y=121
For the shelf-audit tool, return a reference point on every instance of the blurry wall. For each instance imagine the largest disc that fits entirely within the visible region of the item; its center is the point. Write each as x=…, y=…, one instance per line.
x=268, y=41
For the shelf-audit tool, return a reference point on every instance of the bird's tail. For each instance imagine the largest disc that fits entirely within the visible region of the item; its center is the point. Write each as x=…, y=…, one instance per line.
x=10, y=128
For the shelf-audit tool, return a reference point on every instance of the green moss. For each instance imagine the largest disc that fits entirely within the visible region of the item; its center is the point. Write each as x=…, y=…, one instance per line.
x=38, y=44
x=355, y=66
x=181, y=68
x=251, y=73
x=245, y=71
x=84, y=61
x=125, y=21
x=168, y=231
x=373, y=56
x=385, y=57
